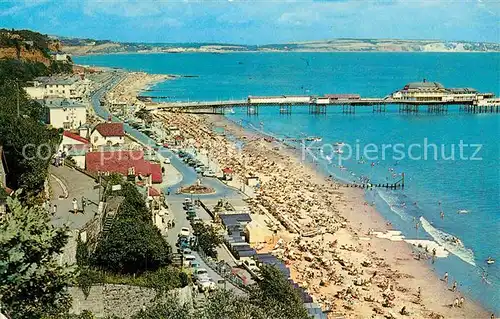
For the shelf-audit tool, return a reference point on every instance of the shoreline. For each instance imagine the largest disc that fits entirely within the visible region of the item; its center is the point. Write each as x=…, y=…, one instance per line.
x=397, y=261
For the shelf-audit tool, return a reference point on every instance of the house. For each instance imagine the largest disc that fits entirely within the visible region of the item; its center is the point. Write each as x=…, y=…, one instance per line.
x=126, y=163
x=69, y=87
x=74, y=146
x=65, y=113
x=108, y=134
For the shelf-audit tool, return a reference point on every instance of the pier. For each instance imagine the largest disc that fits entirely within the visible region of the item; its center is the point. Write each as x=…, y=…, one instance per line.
x=413, y=98
x=346, y=107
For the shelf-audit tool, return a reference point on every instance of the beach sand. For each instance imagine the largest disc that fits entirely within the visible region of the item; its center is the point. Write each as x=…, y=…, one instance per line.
x=347, y=270
x=325, y=230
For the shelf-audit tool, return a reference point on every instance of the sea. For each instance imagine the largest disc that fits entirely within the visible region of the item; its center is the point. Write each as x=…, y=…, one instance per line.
x=450, y=161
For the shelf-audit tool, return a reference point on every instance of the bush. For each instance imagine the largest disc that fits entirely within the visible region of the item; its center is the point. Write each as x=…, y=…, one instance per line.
x=132, y=247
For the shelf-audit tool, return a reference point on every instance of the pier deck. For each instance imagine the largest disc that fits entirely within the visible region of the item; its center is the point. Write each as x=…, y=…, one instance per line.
x=378, y=105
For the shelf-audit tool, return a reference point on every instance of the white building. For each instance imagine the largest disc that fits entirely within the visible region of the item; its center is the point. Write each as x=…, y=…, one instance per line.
x=66, y=114
x=108, y=134
x=75, y=146
x=69, y=87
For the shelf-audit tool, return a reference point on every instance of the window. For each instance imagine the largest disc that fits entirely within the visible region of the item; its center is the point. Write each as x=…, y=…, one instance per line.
x=67, y=125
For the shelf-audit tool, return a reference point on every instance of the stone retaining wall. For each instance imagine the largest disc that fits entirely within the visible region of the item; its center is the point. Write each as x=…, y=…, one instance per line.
x=120, y=300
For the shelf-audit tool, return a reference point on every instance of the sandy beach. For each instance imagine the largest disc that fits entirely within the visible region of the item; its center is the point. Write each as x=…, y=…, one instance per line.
x=326, y=232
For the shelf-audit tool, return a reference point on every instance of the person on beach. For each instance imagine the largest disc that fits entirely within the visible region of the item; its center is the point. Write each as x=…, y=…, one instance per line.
x=455, y=303
x=75, y=205
x=454, y=288
x=419, y=293
x=445, y=278
x=461, y=302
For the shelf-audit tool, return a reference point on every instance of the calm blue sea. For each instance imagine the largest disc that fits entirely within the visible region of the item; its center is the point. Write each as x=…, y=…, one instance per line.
x=432, y=185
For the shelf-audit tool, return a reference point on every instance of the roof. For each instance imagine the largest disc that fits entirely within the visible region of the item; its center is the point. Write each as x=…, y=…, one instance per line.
x=110, y=129
x=153, y=192
x=75, y=137
x=227, y=170
x=423, y=85
x=121, y=161
x=56, y=103
x=235, y=219
x=58, y=80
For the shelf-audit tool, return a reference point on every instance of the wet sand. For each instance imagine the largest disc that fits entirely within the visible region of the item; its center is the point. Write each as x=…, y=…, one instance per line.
x=325, y=230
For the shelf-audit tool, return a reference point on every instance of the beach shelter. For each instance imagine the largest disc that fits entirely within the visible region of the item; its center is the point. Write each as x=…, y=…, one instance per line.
x=227, y=174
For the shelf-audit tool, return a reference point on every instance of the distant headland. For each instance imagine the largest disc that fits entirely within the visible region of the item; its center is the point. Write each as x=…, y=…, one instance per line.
x=89, y=46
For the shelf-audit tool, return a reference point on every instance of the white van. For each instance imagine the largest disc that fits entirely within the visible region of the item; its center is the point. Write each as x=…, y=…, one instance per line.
x=188, y=259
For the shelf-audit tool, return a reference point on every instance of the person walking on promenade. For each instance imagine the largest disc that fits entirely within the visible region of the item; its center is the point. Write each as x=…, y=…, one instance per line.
x=54, y=209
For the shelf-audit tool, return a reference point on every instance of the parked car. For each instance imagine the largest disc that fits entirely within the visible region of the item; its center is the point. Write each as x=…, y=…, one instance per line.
x=200, y=273
x=184, y=232
x=188, y=259
x=209, y=173
x=166, y=161
x=206, y=284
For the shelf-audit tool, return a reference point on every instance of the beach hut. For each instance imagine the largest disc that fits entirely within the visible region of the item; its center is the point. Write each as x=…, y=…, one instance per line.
x=227, y=174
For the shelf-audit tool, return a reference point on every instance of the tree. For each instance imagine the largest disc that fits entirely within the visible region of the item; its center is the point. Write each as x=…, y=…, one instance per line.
x=32, y=284
x=168, y=308
x=277, y=296
x=207, y=238
x=227, y=305
x=132, y=247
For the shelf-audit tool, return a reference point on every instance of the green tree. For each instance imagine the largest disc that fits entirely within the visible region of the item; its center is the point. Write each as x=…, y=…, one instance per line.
x=168, y=308
x=207, y=238
x=277, y=296
x=32, y=284
x=132, y=247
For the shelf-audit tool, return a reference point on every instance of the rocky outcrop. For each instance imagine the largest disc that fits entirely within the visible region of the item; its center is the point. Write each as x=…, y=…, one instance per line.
x=24, y=55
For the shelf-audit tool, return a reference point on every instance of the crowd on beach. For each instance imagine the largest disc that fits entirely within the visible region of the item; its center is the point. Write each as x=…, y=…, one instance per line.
x=324, y=228
x=326, y=254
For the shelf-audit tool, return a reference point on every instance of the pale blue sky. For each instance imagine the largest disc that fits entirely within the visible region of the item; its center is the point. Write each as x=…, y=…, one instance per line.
x=256, y=21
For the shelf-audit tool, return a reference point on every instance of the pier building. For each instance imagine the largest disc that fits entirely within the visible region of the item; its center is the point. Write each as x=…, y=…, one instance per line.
x=434, y=91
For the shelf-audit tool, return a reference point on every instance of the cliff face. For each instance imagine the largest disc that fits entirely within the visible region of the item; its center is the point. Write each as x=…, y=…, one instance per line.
x=24, y=54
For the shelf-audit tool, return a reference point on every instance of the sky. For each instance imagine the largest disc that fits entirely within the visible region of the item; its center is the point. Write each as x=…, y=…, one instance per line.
x=256, y=21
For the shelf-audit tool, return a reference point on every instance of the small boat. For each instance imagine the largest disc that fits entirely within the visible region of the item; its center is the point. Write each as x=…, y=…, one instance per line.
x=490, y=261
x=339, y=151
x=462, y=211
x=339, y=144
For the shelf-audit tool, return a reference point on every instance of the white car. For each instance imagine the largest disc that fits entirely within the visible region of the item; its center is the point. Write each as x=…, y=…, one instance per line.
x=184, y=232
x=206, y=284
x=166, y=161
x=209, y=173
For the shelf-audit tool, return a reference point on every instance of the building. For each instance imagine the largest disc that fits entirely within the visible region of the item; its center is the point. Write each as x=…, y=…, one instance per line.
x=75, y=147
x=126, y=163
x=108, y=134
x=434, y=91
x=69, y=87
x=65, y=113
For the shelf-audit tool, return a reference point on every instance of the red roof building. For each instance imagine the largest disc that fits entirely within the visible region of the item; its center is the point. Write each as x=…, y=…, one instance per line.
x=75, y=137
x=123, y=162
x=110, y=129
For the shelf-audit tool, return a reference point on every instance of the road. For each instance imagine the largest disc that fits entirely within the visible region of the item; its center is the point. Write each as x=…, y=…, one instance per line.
x=189, y=176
